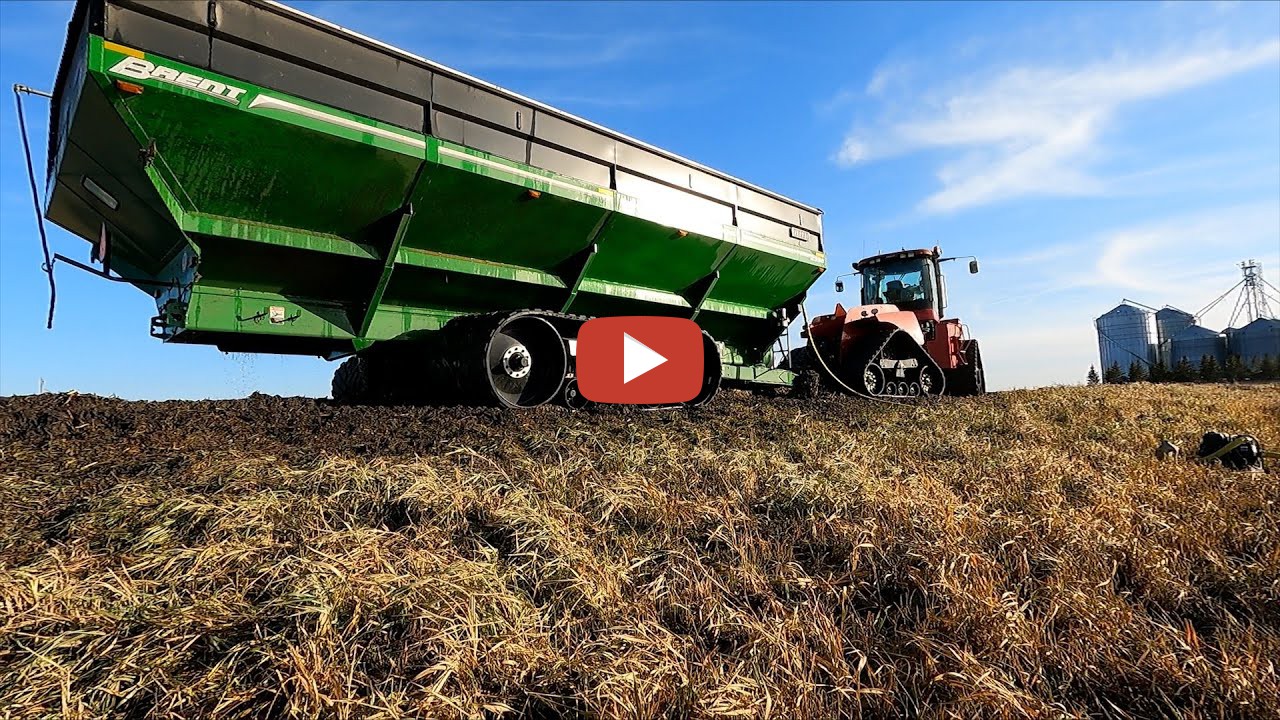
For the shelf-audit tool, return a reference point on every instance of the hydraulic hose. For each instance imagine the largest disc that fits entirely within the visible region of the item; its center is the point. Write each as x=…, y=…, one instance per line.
x=18, y=90
x=817, y=352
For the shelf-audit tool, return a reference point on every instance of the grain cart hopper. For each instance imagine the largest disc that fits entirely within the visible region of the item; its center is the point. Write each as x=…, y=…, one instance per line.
x=280, y=184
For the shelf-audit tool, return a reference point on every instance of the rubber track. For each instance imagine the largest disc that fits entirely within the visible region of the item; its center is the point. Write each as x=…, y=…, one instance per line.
x=466, y=336
x=453, y=352
x=870, y=351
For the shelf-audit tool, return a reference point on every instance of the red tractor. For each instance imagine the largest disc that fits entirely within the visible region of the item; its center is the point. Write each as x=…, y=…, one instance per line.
x=896, y=343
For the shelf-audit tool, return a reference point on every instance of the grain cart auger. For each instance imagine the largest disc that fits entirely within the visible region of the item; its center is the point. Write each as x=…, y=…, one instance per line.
x=897, y=342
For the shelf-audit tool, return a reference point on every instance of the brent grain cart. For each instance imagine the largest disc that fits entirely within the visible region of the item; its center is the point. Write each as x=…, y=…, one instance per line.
x=281, y=184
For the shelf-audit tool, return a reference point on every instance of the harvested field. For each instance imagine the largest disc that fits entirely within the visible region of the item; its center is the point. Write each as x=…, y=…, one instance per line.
x=1017, y=555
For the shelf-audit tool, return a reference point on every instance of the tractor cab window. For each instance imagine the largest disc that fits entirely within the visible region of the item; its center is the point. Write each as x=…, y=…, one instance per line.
x=907, y=283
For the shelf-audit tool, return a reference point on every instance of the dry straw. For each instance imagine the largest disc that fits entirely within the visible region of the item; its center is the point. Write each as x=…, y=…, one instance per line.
x=1018, y=555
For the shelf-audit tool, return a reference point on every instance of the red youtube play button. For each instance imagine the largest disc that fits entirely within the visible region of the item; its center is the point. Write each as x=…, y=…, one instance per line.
x=640, y=360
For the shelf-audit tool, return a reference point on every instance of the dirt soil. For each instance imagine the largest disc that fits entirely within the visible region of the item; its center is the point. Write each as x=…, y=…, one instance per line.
x=1016, y=555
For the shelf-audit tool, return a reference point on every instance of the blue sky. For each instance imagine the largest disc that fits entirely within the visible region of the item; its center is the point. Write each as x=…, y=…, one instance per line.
x=1085, y=152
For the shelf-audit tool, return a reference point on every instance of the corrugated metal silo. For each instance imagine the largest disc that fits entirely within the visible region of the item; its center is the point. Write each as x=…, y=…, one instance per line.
x=1124, y=335
x=1194, y=342
x=1229, y=334
x=1169, y=322
x=1258, y=338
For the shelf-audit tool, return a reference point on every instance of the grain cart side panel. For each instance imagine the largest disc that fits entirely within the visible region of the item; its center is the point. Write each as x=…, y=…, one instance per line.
x=305, y=189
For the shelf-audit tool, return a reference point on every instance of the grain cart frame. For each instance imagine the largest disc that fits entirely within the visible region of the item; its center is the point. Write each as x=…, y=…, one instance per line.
x=280, y=184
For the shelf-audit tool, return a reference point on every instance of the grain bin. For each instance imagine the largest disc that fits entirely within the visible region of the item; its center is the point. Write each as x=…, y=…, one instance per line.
x=1124, y=336
x=1169, y=322
x=1256, y=340
x=1194, y=342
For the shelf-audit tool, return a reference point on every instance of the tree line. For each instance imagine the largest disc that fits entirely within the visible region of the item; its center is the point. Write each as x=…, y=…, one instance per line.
x=1207, y=370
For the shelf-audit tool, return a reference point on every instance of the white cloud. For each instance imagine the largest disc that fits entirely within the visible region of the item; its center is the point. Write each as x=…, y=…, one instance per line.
x=890, y=74
x=1179, y=259
x=1039, y=256
x=1173, y=260
x=1035, y=130
x=851, y=152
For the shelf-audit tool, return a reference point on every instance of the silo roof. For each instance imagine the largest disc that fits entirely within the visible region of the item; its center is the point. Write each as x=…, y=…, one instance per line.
x=1124, y=309
x=1193, y=332
x=1261, y=325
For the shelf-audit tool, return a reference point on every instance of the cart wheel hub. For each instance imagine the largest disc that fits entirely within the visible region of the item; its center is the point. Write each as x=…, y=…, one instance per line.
x=515, y=361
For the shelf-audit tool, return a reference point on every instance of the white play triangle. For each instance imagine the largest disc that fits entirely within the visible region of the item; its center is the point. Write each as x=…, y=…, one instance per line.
x=637, y=359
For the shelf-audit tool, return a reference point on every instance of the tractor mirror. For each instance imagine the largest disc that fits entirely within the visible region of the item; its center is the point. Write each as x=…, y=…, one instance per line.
x=973, y=267
x=839, y=286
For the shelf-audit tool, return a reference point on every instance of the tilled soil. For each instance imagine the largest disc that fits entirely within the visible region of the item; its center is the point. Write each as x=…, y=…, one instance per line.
x=302, y=428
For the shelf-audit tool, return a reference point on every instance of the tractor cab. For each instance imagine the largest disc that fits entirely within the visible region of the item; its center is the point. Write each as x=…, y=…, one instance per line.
x=912, y=280
x=908, y=279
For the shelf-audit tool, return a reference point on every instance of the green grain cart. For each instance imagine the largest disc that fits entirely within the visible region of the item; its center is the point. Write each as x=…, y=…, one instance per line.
x=281, y=184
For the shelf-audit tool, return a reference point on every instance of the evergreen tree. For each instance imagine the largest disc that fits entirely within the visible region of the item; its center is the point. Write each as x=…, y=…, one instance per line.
x=1233, y=369
x=1266, y=369
x=1093, y=378
x=1113, y=374
x=1209, y=369
x=1182, y=370
x=1137, y=372
x=1159, y=372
